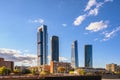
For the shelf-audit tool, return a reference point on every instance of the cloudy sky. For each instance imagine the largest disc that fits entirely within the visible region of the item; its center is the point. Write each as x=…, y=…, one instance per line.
x=93, y=22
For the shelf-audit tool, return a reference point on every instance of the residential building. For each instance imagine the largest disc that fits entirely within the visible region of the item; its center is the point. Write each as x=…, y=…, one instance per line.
x=74, y=55
x=7, y=64
x=54, y=66
x=42, y=47
x=88, y=56
x=54, y=48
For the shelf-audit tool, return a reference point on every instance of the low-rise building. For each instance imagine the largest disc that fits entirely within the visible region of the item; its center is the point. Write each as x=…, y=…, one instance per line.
x=93, y=70
x=54, y=66
x=40, y=68
x=112, y=67
x=7, y=64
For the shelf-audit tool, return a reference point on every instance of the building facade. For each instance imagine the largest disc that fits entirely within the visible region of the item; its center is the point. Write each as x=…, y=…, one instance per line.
x=112, y=67
x=42, y=47
x=74, y=55
x=93, y=71
x=7, y=64
x=55, y=65
x=54, y=48
x=88, y=56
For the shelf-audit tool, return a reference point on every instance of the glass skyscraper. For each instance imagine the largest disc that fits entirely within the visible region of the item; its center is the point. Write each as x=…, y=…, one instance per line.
x=54, y=48
x=74, y=55
x=88, y=56
x=42, y=47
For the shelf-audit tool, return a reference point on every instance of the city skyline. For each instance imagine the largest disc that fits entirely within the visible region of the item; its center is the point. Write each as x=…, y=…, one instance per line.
x=93, y=22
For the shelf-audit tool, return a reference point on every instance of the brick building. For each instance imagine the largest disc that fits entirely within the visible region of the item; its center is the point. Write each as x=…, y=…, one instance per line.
x=7, y=64
x=54, y=65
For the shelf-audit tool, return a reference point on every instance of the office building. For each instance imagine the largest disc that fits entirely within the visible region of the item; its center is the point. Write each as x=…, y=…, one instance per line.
x=88, y=56
x=42, y=47
x=7, y=64
x=74, y=55
x=54, y=48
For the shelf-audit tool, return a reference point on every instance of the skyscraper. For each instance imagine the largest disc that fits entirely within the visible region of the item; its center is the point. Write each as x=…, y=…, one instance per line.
x=42, y=47
x=54, y=48
x=88, y=56
x=74, y=55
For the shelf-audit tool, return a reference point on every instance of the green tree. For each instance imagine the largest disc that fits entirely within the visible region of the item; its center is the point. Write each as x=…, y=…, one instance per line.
x=4, y=71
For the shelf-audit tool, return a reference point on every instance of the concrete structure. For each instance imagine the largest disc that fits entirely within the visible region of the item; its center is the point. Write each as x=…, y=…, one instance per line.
x=74, y=55
x=88, y=56
x=54, y=66
x=112, y=67
x=54, y=48
x=7, y=64
x=42, y=47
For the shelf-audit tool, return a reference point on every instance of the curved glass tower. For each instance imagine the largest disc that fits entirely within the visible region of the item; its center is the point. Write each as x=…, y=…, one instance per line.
x=88, y=56
x=42, y=48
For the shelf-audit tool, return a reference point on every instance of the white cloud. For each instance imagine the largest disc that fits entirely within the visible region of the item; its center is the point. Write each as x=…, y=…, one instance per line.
x=63, y=59
x=79, y=20
x=93, y=12
x=97, y=26
x=16, y=55
x=60, y=58
x=93, y=9
x=39, y=20
x=90, y=4
x=109, y=35
x=64, y=25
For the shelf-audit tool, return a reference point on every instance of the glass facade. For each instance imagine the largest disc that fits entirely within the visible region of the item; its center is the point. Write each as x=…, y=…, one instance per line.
x=42, y=45
x=54, y=48
x=88, y=56
x=74, y=55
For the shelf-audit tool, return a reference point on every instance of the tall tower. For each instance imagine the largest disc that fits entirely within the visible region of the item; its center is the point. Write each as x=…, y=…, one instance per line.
x=42, y=47
x=74, y=55
x=54, y=48
x=88, y=56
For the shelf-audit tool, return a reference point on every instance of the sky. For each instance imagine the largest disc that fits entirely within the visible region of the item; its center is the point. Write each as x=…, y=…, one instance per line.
x=94, y=22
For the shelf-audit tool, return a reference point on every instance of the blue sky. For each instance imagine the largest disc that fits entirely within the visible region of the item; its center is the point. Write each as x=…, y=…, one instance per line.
x=93, y=22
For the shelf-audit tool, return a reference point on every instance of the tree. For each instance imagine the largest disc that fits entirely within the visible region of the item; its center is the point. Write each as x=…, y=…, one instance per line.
x=72, y=69
x=33, y=71
x=4, y=71
x=17, y=71
x=71, y=72
x=43, y=73
x=81, y=71
x=25, y=71
x=61, y=69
